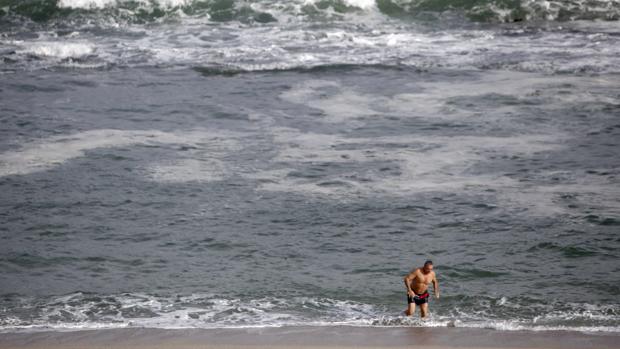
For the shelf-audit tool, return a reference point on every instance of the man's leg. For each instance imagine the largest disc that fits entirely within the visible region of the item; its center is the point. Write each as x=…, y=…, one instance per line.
x=410, y=309
x=424, y=309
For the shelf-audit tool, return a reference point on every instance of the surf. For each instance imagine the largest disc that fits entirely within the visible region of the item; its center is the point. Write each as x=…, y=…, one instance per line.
x=146, y=11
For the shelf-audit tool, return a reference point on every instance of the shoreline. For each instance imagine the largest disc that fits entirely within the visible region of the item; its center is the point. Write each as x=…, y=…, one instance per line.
x=308, y=337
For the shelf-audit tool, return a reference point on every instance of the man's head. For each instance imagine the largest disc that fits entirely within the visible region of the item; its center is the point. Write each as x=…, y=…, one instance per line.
x=428, y=266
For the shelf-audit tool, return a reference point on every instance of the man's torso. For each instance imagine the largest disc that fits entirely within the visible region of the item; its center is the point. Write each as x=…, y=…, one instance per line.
x=419, y=285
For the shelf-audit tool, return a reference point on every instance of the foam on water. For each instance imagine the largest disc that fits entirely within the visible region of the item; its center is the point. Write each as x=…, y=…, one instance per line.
x=364, y=166
x=554, y=9
x=424, y=163
x=44, y=154
x=363, y=4
x=364, y=38
x=59, y=49
x=89, y=311
x=86, y=3
x=439, y=163
x=89, y=4
x=389, y=165
x=434, y=100
x=481, y=10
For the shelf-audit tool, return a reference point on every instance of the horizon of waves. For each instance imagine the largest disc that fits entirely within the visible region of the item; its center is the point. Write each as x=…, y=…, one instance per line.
x=265, y=11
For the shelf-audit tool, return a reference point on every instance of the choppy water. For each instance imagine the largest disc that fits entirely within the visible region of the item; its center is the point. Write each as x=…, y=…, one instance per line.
x=266, y=163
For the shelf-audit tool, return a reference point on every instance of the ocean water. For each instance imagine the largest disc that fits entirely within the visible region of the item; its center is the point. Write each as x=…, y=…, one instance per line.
x=228, y=163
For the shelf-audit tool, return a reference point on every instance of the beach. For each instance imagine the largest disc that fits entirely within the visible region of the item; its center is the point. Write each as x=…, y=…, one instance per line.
x=332, y=337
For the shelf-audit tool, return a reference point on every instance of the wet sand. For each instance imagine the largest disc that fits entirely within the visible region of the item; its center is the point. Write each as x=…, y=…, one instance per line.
x=308, y=337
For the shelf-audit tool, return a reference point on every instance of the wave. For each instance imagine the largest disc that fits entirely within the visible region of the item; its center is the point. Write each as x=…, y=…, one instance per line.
x=85, y=310
x=230, y=52
x=230, y=37
x=507, y=10
x=145, y=11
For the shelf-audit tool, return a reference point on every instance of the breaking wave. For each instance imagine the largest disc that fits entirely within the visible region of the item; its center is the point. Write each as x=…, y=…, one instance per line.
x=233, y=36
x=264, y=11
x=83, y=310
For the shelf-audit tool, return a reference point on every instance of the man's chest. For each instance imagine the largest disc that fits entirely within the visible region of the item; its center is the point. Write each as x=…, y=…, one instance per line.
x=426, y=279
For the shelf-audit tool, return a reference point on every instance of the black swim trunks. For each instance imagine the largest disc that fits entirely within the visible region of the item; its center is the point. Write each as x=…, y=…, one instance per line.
x=418, y=298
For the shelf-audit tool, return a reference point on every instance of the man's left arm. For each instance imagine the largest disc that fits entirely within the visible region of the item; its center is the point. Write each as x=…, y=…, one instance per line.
x=436, y=286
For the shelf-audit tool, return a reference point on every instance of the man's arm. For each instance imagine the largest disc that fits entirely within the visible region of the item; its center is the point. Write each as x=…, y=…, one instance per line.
x=410, y=277
x=436, y=286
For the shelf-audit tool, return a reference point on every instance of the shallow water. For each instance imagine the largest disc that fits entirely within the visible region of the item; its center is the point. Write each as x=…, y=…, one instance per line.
x=185, y=171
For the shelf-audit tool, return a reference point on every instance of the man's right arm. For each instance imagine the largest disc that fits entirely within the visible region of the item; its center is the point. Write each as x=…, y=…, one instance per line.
x=410, y=277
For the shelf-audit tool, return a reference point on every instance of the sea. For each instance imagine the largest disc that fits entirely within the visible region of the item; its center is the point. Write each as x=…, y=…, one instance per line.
x=264, y=163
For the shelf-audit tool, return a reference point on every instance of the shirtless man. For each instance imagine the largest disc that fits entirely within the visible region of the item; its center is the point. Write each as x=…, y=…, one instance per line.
x=417, y=288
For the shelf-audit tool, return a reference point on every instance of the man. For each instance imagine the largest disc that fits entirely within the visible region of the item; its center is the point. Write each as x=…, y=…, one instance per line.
x=417, y=288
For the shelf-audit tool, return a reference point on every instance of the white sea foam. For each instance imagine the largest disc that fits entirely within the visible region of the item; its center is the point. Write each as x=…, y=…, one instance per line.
x=44, y=154
x=437, y=163
x=360, y=37
x=58, y=49
x=78, y=312
x=557, y=9
x=86, y=3
x=340, y=103
x=535, y=9
x=425, y=163
x=104, y=3
x=363, y=4
x=292, y=46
